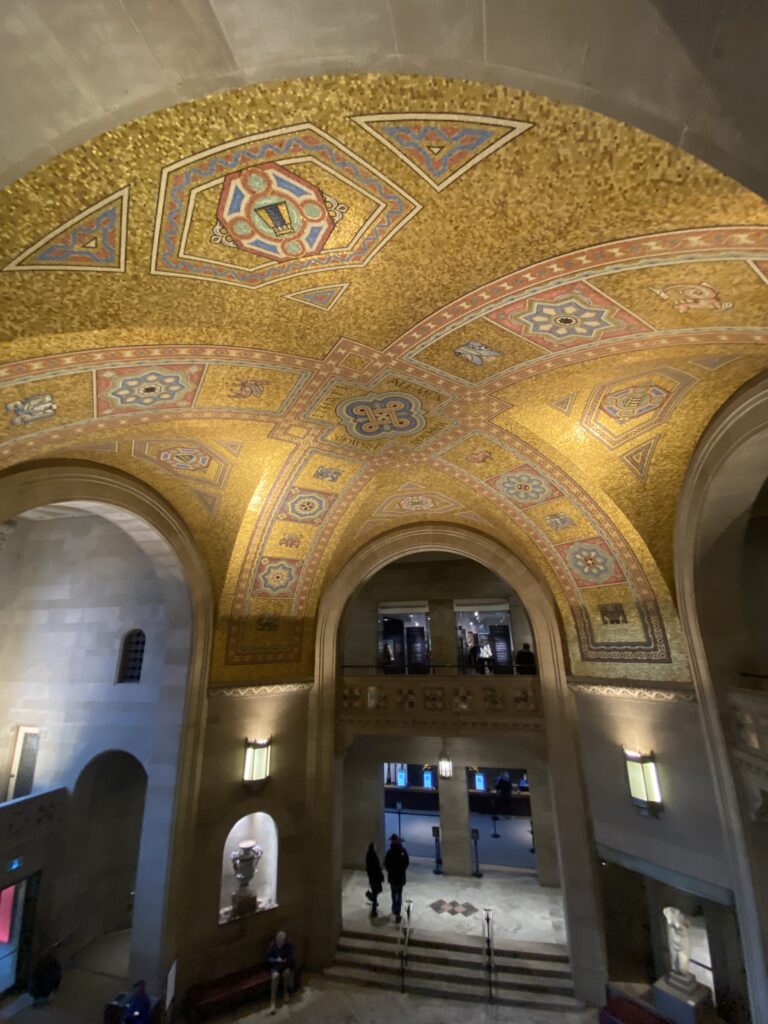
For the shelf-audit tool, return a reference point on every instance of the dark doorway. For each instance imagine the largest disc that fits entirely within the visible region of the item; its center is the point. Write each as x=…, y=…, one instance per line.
x=107, y=819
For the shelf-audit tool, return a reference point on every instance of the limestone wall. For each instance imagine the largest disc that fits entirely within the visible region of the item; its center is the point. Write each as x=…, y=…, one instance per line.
x=71, y=586
x=686, y=837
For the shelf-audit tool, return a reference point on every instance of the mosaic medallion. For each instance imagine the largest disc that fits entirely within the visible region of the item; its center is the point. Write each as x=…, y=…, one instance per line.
x=374, y=416
x=270, y=211
x=526, y=487
x=146, y=388
x=276, y=577
x=591, y=563
x=189, y=460
x=567, y=316
x=302, y=506
x=633, y=401
x=621, y=410
x=259, y=210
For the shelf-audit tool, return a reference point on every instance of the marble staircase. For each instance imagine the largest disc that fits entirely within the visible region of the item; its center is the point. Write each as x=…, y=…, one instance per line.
x=533, y=975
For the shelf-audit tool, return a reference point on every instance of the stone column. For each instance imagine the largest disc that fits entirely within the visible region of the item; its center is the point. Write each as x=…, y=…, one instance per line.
x=727, y=962
x=363, y=807
x=543, y=819
x=454, y=823
x=442, y=631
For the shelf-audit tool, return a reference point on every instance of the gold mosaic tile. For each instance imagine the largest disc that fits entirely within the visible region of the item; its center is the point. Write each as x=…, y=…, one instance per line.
x=694, y=296
x=410, y=273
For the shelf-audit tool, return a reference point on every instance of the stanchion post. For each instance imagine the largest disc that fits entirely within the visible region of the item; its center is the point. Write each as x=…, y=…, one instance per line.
x=495, y=834
x=475, y=838
x=438, y=856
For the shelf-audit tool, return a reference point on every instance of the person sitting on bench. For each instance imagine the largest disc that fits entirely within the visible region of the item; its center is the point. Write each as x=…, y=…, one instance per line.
x=280, y=964
x=139, y=1006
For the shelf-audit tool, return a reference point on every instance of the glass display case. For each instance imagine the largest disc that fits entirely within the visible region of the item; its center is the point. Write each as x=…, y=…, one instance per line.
x=403, y=639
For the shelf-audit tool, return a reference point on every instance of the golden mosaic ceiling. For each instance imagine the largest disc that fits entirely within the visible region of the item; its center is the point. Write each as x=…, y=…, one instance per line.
x=307, y=313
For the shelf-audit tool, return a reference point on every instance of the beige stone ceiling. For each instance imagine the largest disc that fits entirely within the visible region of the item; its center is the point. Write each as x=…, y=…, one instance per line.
x=691, y=73
x=310, y=312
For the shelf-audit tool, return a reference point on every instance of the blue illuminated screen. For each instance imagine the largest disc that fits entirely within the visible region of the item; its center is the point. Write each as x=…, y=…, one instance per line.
x=427, y=780
x=479, y=781
x=402, y=777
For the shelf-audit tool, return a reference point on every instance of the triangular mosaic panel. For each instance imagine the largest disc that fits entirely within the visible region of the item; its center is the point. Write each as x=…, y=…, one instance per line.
x=94, y=240
x=441, y=147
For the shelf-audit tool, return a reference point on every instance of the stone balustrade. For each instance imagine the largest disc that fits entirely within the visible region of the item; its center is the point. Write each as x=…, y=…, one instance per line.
x=450, y=703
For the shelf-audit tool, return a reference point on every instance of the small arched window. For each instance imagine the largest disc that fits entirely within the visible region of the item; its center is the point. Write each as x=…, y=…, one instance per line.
x=131, y=656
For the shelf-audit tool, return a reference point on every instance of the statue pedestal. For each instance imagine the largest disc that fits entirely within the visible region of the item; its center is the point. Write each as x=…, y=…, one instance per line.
x=243, y=903
x=683, y=1000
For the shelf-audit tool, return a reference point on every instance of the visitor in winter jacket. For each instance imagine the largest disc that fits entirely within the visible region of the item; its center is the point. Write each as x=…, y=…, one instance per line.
x=375, y=878
x=396, y=862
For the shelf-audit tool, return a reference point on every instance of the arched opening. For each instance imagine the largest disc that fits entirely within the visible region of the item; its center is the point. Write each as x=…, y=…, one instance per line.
x=720, y=553
x=107, y=816
x=327, y=739
x=83, y=574
x=249, y=868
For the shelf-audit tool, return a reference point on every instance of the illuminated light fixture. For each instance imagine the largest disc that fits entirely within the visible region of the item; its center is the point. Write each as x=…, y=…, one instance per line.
x=257, y=757
x=644, y=788
x=445, y=764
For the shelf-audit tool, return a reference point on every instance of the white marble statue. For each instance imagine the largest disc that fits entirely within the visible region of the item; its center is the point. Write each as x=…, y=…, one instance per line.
x=678, y=940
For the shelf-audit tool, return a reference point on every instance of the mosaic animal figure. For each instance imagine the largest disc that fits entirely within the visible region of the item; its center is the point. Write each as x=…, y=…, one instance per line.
x=685, y=297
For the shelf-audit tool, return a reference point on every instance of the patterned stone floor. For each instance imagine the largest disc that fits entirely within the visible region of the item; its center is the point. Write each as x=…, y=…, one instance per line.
x=443, y=906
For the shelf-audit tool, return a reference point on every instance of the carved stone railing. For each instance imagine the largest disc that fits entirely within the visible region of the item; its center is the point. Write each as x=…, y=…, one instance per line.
x=449, y=703
x=31, y=817
x=749, y=716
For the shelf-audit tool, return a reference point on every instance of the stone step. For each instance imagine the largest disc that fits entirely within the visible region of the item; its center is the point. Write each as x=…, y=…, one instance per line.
x=538, y=951
x=471, y=957
x=470, y=974
x=442, y=988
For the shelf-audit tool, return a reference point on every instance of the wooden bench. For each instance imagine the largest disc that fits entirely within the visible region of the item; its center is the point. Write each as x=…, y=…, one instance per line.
x=229, y=991
x=624, y=1010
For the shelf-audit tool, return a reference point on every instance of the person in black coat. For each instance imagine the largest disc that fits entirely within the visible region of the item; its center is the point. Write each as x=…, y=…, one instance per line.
x=396, y=862
x=375, y=878
x=525, y=661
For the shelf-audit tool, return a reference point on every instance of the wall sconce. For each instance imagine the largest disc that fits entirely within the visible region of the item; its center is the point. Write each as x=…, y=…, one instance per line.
x=445, y=764
x=257, y=757
x=644, y=787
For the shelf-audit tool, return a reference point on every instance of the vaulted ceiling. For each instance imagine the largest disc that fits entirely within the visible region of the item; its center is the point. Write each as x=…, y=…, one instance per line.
x=311, y=311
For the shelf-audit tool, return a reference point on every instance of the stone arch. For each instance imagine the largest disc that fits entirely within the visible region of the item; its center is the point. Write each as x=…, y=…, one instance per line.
x=727, y=472
x=162, y=534
x=585, y=936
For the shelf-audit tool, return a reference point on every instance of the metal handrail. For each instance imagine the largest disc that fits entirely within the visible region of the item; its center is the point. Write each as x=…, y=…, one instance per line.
x=403, y=941
x=488, y=952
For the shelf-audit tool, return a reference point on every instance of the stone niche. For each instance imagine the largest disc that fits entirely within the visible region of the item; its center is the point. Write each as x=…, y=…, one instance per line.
x=261, y=828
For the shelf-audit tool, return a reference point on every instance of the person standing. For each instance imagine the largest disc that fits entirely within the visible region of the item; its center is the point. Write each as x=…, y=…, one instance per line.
x=396, y=862
x=525, y=661
x=504, y=789
x=280, y=964
x=375, y=878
